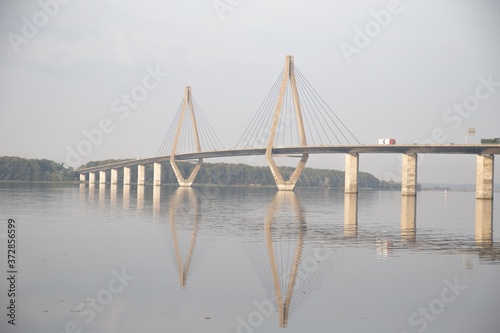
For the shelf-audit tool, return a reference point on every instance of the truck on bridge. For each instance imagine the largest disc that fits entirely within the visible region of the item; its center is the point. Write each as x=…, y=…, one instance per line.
x=490, y=141
x=386, y=141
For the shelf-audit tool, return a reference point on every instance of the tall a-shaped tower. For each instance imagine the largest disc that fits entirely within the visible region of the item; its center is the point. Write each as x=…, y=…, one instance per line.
x=288, y=78
x=186, y=103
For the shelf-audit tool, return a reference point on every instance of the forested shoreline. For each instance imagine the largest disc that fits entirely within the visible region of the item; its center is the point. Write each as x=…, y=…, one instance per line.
x=21, y=169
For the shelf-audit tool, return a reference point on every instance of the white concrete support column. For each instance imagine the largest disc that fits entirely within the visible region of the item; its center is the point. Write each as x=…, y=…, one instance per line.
x=157, y=174
x=114, y=176
x=484, y=176
x=141, y=174
x=102, y=177
x=351, y=173
x=126, y=176
x=409, y=175
x=92, y=178
x=82, y=178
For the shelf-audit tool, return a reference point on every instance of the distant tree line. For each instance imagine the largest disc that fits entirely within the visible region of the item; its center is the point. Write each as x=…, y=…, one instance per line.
x=20, y=169
x=391, y=185
x=242, y=174
x=16, y=168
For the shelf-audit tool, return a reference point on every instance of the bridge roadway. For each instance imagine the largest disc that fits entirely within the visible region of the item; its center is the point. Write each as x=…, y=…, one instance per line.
x=336, y=149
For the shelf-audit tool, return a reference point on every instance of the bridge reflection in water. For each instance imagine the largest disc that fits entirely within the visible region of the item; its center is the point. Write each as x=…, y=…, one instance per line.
x=350, y=214
x=284, y=228
x=287, y=251
x=184, y=216
x=484, y=222
x=189, y=199
x=408, y=217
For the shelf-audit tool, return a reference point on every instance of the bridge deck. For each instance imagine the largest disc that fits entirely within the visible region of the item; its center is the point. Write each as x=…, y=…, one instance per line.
x=361, y=149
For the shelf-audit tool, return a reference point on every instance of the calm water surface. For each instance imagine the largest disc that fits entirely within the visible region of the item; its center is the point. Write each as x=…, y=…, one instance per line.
x=249, y=259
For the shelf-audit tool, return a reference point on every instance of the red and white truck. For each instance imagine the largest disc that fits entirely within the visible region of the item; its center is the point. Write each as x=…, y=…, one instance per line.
x=386, y=141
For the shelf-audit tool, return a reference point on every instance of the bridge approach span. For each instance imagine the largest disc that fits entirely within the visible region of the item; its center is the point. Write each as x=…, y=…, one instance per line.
x=492, y=149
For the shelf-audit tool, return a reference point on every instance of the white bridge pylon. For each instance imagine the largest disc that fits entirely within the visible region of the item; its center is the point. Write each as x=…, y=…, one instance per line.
x=187, y=103
x=281, y=183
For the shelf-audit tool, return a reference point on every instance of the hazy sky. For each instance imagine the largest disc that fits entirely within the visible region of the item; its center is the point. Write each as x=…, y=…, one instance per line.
x=410, y=70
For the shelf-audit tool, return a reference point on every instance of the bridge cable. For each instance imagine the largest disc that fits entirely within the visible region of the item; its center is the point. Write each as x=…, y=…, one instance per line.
x=268, y=118
x=307, y=115
x=323, y=106
x=261, y=115
x=169, y=136
x=265, y=118
x=167, y=140
x=311, y=102
x=255, y=125
x=186, y=142
x=211, y=135
x=315, y=102
x=203, y=132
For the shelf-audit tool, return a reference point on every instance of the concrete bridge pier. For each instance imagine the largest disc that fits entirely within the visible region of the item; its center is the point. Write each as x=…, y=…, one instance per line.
x=114, y=176
x=126, y=176
x=484, y=176
x=409, y=175
x=92, y=178
x=141, y=174
x=351, y=173
x=157, y=174
x=82, y=178
x=102, y=177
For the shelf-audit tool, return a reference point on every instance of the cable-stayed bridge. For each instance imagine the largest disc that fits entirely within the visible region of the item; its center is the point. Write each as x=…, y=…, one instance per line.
x=293, y=121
